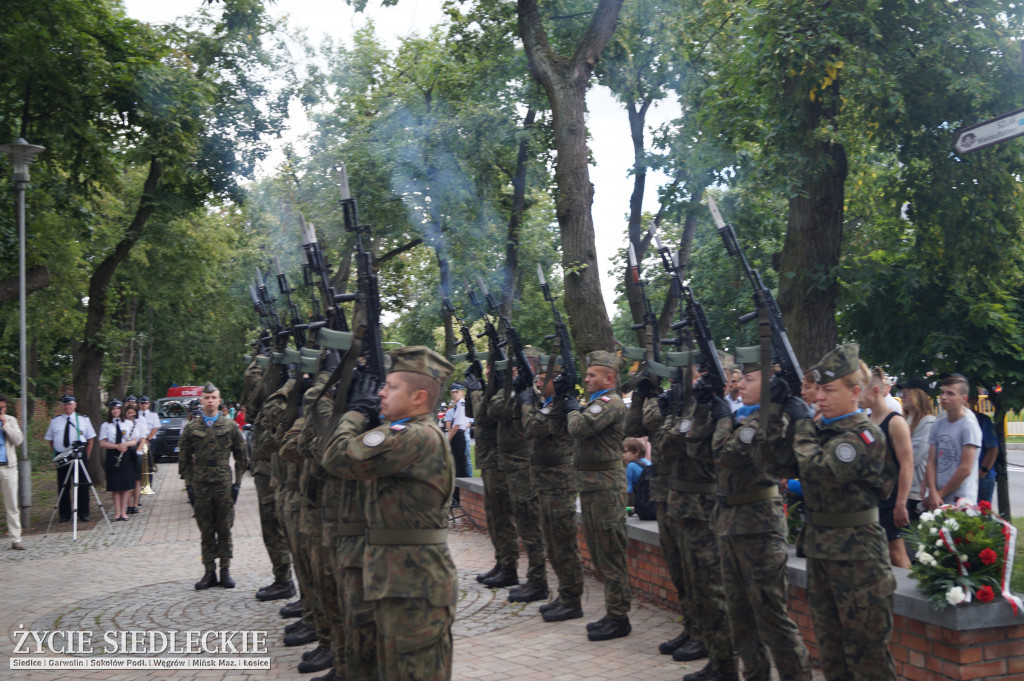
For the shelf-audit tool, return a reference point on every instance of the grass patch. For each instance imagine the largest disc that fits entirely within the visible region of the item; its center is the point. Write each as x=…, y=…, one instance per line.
x=1017, y=578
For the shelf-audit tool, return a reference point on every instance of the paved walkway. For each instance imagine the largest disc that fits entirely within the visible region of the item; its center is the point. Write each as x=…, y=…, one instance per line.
x=139, y=577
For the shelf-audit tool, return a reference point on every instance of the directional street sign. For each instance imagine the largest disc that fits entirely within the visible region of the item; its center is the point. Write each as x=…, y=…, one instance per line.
x=990, y=132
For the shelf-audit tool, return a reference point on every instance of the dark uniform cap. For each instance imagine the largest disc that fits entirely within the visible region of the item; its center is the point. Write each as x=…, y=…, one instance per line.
x=114, y=403
x=131, y=398
x=914, y=382
x=748, y=358
x=144, y=398
x=458, y=386
x=603, y=358
x=419, y=360
x=842, y=361
x=68, y=398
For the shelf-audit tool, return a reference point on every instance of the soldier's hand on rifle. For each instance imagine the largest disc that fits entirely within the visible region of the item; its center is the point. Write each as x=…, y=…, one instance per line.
x=644, y=387
x=525, y=396
x=666, y=401
x=572, y=404
x=720, y=409
x=778, y=391
x=234, y=491
x=561, y=385
x=797, y=408
x=499, y=379
x=703, y=391
x=330, y=361
x=363, y=396
x=520, y=383
x=471, y=381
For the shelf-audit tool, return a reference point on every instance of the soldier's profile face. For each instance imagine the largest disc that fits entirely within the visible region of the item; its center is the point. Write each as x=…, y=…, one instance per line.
x=750, y=388
x=836, y=398
x=599, y=378
x=210, y=402
x=396, y=397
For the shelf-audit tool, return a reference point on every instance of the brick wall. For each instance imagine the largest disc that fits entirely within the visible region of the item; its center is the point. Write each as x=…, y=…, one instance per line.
x=956, y=644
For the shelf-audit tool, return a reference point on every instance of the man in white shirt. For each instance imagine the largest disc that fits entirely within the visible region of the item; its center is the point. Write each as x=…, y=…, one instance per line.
x=458, y=433
x=733, y=395
x=64, y=430
x=952, y=471
x=148, y=423
x=10, y=438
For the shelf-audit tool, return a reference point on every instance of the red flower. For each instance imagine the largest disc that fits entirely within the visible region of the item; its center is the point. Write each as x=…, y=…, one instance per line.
x=958, y=541
x=988, y=556
x=985, y=506
x=985, y=594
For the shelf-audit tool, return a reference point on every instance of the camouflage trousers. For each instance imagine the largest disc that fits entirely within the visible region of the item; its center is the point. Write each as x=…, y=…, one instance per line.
x=851, y=605
x=709, y=621
x=414, y=639
x=273, y=533
x=360, y=653
x=215, y=515
x=756, y=587
x=500, y=524
x=326, y=596
x=289, y=507
x=604, y=528
x=556, y=489
x=526, y=508
x=669, y=529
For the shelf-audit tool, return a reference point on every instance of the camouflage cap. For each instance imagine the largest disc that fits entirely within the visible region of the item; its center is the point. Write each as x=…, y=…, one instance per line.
x=603, y=358
x=748, y=358
x=842, y=361
x=531, y=351
x=419, y=360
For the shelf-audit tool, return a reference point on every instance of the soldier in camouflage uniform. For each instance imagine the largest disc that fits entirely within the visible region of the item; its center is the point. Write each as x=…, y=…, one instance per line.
x=344, y=510
x=206, y=445
x=408, y=572
x=645, y=418
x=497, y=503
x=846, y=473
x=515, y=451
x=751, y=526
x=265, y=444
x=598, y=432
x=555, y=476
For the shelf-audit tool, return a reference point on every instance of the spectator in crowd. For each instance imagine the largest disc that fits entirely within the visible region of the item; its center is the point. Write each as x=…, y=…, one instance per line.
x=809, y=392
x=10, y=438
x=240, y=416
x=953, y=448
x=733, y=396
x=989, y=452
x=139, y=430
x=891, y=401
x=892, y=512
x=920, y=415
x=634, y=453
x=119, y=440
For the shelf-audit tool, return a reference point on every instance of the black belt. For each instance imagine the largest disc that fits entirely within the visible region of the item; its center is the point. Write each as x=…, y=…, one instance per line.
x=855, y=519
x=600, y=465
x=744, y=498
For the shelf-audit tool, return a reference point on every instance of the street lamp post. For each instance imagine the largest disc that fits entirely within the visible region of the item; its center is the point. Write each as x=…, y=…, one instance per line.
x=22, y=154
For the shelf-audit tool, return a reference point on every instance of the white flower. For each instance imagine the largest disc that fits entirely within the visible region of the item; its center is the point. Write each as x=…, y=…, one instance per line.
x=973, y=512
x=934, y=530
x=938, y=542
x=952, y=524
x=925, y=558
x=955, y=595
x=927, y=517
x=962, y=502
x=963, y=557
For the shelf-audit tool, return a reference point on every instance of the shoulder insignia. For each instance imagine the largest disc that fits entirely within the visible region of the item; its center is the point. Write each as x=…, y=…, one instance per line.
x=685, y=425
x=846, y=452
x=867, y=437
x=605, y=398
x=545, y=410
x=594, y=409
x=747, y=434
x=397, y=426
x=373, y=438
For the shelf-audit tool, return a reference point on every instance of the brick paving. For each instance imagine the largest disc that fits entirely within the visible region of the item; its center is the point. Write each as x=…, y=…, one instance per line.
x=139, y=578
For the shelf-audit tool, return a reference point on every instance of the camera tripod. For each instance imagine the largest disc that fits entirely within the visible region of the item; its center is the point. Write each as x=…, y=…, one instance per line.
x=72, y=481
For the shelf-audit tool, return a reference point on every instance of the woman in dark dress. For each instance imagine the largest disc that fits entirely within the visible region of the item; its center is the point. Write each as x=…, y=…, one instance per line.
x=118, y=439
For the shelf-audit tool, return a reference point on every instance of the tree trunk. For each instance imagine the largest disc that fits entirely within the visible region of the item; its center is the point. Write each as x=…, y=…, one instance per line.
x=810, y=255
x=515, y=219
x=35, y=278
x=565, y=81
x=637, y=120
x=87, y=366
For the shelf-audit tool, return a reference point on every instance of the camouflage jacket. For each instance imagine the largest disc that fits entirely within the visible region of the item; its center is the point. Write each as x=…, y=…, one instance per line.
x=410, y=473
x=843, y=468
x=485, y=432
x=694, y=465
x=644, y=419
x=553, y=463
x=205, y=451
x=732, y=447
x=597, y=430
x=265, y=430
x=514, y=446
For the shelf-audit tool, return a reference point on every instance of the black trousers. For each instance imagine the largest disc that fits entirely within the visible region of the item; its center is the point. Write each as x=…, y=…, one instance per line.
x=461, y=456
x=83, y=492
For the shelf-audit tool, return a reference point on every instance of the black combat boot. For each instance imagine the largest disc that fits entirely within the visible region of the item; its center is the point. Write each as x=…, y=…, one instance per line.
x=225, y=578
x=309, y=654
x=591, y=626
x=289, y=628
x=208, y=580
x=561, y=613
x=709, y=673
x=490, y=573
x=502, y=578
x=329, y=676
x=670, y=646
x=548, y=606
x=293, y=609
x=609, y=629
x=300, y=636
x=528, y=593
x=321, y=659
x=277, y=590
x=693, y=650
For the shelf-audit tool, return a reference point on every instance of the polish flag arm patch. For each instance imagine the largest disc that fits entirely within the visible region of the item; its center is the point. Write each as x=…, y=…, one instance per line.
x=868, y=438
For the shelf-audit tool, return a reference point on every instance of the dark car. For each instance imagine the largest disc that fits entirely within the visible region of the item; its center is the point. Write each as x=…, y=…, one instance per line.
x=173, y=413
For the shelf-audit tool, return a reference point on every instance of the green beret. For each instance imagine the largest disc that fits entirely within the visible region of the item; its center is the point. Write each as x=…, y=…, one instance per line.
x=418, y=359
x=603, y=358
x=748, y=358
x=842, y=361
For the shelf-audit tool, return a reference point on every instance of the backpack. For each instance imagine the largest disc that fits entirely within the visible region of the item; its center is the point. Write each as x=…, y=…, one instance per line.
x=645, y=509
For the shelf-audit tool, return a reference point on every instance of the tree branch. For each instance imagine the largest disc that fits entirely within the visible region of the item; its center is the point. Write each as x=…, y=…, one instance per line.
x=35, y=278
x=398, y=251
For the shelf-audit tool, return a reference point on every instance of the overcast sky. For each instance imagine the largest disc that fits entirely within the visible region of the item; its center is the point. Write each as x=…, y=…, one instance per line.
x=607, y=121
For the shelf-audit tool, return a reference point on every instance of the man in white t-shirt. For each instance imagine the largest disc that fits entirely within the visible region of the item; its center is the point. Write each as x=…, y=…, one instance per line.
x=953, y=448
